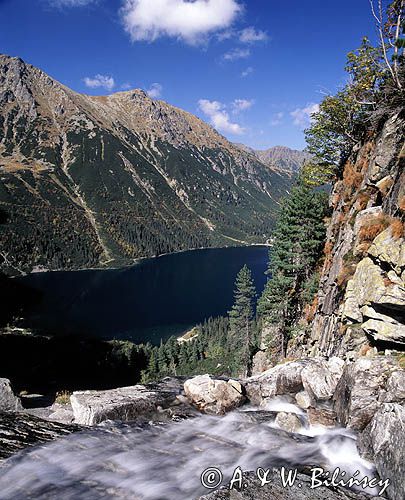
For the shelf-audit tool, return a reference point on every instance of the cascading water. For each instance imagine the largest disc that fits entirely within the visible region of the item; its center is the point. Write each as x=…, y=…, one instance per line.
x=165, y=461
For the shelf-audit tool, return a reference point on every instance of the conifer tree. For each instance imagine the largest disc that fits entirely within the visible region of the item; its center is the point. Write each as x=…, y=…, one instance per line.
x=241, y=319
x=298, y=242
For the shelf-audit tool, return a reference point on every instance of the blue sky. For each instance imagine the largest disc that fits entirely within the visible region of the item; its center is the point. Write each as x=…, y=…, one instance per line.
x=255, y=69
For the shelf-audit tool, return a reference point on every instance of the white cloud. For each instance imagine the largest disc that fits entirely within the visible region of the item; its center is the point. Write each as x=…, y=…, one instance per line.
x=235, y=54
x=247, y=72
x=71, y=3
x=155, y=91
x=100, y=81
x=224, y=35
x=219, y=117
x=302, y=116
x=276, y=119
x=251, y=35
x=189, y=21
x=242, y=105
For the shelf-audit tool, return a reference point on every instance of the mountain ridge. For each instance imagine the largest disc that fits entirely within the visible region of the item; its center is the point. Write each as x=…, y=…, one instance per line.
x=96, y=180
x=281, y=159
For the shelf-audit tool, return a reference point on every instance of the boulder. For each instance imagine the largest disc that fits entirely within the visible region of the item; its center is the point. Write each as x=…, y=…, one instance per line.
x=388, y=249
x=281, y=379
x=125, y=404
x=388, y=330
x=62, y=415
x=288, y=422
x=395, y=388
x=214, y=396
x=303, y=399
x=8, y=400
x=321, y=377
x=383, y=442
x=357, y=393
x=160, y=401
x=370, y=285
x=322, y=416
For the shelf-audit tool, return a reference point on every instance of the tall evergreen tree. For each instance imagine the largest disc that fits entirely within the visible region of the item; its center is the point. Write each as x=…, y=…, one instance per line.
x=241, y=318
x=298, y=242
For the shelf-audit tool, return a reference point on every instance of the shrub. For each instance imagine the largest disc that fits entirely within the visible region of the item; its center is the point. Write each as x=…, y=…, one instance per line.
x=328, y=248
x=362, y=200
x=370, y=231
x=401, y=203
x=310, y=310
x=62, y=397
x=352, y=178
x=373, y=227
x=397, y=228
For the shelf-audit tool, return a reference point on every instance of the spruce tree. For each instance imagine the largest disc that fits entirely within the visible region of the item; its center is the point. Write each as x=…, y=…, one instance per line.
x=241, y=319
x=298, y=241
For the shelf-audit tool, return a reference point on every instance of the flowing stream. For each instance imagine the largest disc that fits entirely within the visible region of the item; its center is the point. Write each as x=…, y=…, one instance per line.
x=166, y=461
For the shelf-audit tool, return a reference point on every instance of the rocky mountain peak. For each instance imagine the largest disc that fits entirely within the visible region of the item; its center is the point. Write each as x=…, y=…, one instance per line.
x=124, y=175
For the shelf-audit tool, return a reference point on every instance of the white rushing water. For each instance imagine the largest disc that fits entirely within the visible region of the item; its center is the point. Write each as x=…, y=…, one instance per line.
x=165, y=461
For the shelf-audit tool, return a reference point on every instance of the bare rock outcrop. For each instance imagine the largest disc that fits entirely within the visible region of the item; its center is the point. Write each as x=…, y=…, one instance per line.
x=319, y=377
x=375, y=296
x=383, y=442
x=357, y=396
x=21, y=430
x=126, y=403
x=361, y=299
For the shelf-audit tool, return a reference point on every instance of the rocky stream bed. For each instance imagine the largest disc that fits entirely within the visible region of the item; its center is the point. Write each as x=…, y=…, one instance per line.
x=158, y=441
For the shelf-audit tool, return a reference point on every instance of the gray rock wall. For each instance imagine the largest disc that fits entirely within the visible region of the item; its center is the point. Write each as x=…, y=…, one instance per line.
x=362, y=288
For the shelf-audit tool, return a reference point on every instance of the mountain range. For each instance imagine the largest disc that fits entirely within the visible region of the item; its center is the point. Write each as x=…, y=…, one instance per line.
x=89, y=181
x=280, y=158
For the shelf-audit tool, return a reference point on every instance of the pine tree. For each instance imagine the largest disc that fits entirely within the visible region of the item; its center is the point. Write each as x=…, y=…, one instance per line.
x=241, y=319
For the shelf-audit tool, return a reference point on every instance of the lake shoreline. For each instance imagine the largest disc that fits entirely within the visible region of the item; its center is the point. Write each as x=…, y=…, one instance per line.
x=138, y=260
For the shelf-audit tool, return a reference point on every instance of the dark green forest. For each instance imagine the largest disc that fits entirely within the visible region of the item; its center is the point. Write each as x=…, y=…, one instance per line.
x=226, y=345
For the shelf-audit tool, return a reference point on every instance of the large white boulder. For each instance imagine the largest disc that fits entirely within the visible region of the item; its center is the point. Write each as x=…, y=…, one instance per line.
x=214, y=396
x=320, y=378
x=125, y=404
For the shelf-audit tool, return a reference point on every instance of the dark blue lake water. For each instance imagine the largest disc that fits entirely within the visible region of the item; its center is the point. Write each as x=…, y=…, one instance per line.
x=154, y=299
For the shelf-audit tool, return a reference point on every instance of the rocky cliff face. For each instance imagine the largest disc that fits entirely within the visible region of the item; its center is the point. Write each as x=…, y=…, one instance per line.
x=87, y=181
x=361, y=301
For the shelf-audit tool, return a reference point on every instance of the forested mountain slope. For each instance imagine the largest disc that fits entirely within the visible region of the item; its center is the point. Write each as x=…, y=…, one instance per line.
x=89, y=181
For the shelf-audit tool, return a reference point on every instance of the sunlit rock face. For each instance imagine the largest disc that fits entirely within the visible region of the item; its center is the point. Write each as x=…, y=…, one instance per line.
x=361, y=300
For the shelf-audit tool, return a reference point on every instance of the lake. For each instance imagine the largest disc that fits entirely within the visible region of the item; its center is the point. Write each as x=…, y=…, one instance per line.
x=152, y=300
